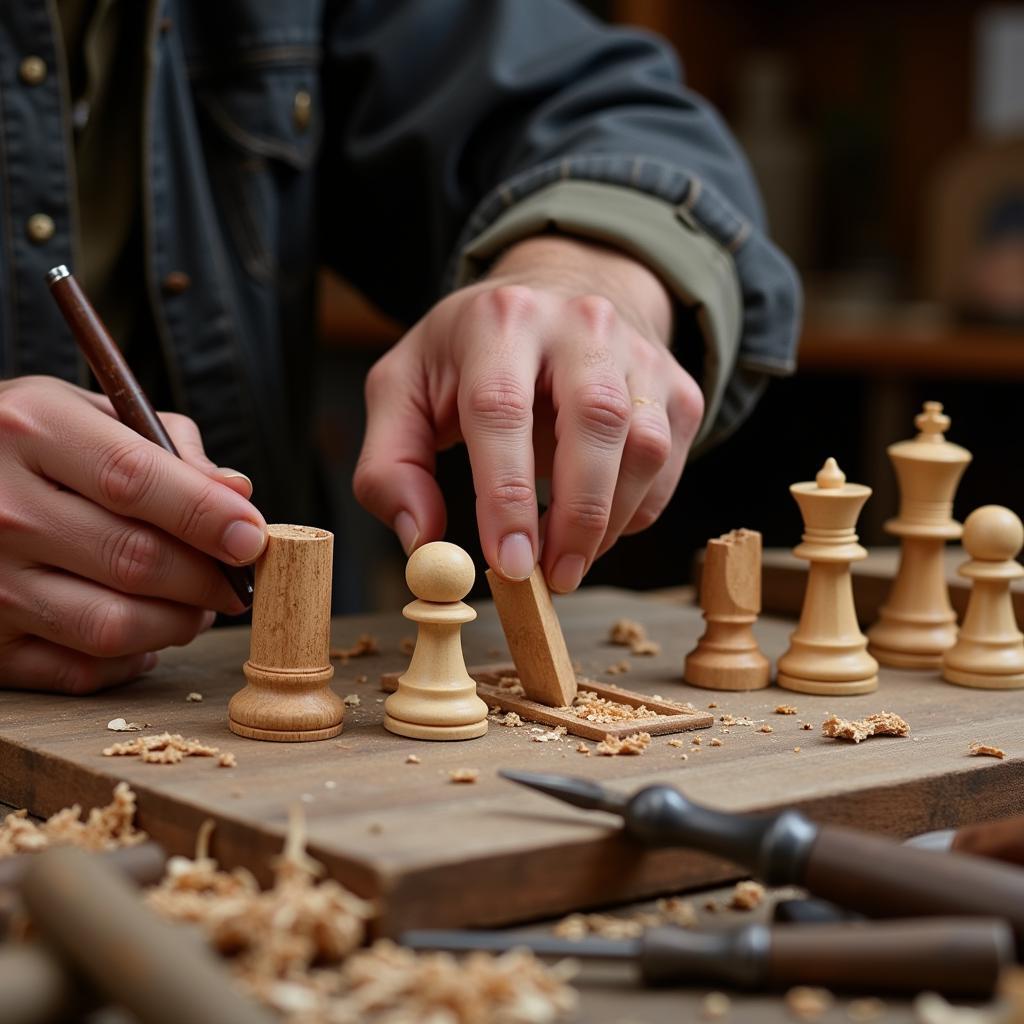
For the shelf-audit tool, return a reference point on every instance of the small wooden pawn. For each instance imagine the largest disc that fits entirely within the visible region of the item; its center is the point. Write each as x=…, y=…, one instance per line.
x=727, y=656
x=288, y=696
x=827, y=651
x=436, y=697
x=989, y=651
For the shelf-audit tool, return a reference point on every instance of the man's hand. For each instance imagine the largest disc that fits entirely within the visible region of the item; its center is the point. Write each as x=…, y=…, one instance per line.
x=104, y=539
x=555, y=365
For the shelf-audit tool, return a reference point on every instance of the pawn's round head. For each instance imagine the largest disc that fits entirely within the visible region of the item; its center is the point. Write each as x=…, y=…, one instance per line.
x=440, y=572
x=993, y=533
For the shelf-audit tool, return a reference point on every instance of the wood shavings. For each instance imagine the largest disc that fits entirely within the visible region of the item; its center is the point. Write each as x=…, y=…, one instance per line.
x=412, y=759
x=612, y=746
x=715, y=742
x=582, y=748
x=512, y=686
x=682, y=757
x=865, y=1009
x=387, y=984
x=464, y=775
x=618, y=668
x=193, y=698
x=120, y=725
x=546, y=737
x=676, y=911
x=226, y=760
x=765, y=727
x=806, y=726
x=713, y=704
x=365, y=645
x=163, y=748
x=511, y=721
x=696, y=740
x=931, y=1008
x=785, y=709
x=351, y=700
x=105, y=828
x=632, y=634
x=806, y=1003
x=747, y=895
x=715, y=1006
x=885, y=723
x=607, y=926
x=407, y=644
x=591, y=708
x=675, y=742
x=984, y=750
x=796, y=750
x=731, y=720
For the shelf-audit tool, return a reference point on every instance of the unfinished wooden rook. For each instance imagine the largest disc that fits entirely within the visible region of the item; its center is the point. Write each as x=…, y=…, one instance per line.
x=288, y=696
x=534, y=638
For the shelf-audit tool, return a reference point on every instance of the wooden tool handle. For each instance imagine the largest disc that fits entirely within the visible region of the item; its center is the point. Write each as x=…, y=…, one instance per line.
x=155, y=970
x=36, y=987
x=957, y=957
x=999, y=840
x=881, y=878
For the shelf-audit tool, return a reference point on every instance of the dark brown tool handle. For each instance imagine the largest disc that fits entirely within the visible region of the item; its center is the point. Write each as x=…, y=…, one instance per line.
x=880, y=878
x=119, y=384
x=957, y=957
x=143, y=864
x=999, y=840
x=157, y=971
x=37, y=988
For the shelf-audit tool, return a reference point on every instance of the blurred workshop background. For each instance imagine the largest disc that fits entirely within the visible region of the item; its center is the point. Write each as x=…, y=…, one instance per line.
x=888, y=140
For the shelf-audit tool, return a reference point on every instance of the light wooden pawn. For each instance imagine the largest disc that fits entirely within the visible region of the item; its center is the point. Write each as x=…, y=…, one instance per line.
x=727, y=656
x=917, y=623
x=989, y=652
x=436, y=697
x=288, y=696
x=827, y=651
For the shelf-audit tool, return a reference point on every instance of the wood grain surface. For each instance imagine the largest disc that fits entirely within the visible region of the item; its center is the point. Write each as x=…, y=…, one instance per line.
x=433, y=853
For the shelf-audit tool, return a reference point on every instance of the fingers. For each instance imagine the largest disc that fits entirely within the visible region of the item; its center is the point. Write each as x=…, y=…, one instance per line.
x=592, y=420
x=93, y=620
x=496, y=397
x=70, y=533
x=184, y=432
x=106, y=462
x=394, y=478
x=33, y=664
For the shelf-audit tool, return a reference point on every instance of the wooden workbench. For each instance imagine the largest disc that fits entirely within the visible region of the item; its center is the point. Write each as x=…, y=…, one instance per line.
x=433, y=853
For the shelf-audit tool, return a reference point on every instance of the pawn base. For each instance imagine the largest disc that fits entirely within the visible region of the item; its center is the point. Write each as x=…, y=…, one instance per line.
x=414, y=731
x=841, y=688
x=904, y=659
x=983, y=681
x=714, y=671
x=282, y=736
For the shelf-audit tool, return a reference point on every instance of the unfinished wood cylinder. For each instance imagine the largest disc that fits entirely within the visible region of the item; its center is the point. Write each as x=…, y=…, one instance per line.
x=288, y=696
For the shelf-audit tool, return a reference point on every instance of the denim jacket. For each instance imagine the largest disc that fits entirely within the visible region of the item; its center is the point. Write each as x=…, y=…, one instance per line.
x=404, y=143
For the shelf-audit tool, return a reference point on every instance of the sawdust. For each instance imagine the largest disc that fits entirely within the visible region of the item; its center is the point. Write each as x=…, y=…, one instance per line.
x=676, y=742
x=765, y=728
x=591, y=708
x=747, y=895
x=511, y=721
x=806, y=1003
x=612, y=746
x=351, y=700
x=715, y=742
x=105, y=828
x=464, y=775
x=193, y=698
x=715, y=1006
x=618, y=668
x=226, y=760
x=365, y=645
x=731, y=720
x=885, y=723
x=785, y=709
x=412, y=759
x=865, y=1009
x=984, y=750
x=546, y=737
x=511, y=685
x=632, y=634
x=120, y=725
x=670, y=911
x=163, y=748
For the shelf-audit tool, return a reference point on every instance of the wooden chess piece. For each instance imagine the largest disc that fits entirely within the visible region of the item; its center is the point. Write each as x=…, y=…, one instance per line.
x=989, y=652
x=917, y=623
x=727, y=656
x=827, y=652
x=288, y=696
x=436, y=697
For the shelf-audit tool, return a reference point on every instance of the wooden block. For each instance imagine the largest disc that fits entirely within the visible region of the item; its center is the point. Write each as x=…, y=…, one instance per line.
x=534, y=638
x=667, y=717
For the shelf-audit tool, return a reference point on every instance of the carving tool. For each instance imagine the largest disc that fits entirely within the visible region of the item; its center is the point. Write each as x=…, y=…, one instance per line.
x=119, y=384
x=871, y=874
x=957, y=957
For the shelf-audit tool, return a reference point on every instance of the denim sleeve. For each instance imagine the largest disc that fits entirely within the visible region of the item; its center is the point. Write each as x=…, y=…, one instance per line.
x=444, y=115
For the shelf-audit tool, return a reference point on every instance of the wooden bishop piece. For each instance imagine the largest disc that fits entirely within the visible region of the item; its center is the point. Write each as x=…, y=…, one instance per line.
x=288, y=696
x=727, y=656
x=827, y=652
x=436, y=697
x=989, y=652
x=917, y=622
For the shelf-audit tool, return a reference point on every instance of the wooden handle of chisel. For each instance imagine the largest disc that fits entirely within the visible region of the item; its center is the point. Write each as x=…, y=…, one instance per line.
x=957, y=957
x=999, y=840
x=36, y=987
x=880, y=878
x=159, y=972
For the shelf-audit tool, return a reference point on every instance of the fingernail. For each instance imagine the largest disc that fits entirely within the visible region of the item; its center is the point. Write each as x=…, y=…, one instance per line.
x=243, y=541
x=233, y=474
x=567, y=574
x=208, y=620
x=408, y=533
x=149, y=661
x=515, y=556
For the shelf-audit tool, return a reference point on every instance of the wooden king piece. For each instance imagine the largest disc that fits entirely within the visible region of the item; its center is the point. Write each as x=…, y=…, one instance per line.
x=288, y=695
x=727, y=656
x=534, y=638
x=917, y=623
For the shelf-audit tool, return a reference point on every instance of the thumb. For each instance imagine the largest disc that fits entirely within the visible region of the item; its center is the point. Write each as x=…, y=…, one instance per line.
x=394, y=478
